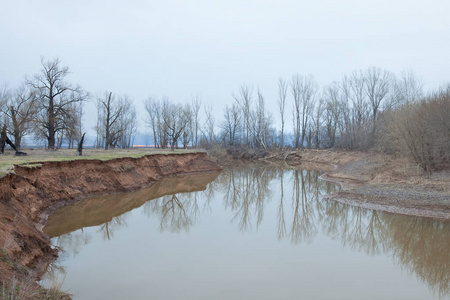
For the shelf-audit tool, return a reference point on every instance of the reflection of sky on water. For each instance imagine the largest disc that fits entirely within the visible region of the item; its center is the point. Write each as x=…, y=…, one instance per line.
x=253, y=233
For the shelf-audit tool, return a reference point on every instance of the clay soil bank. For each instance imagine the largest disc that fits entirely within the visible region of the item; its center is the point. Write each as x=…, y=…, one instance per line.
x=32, y=192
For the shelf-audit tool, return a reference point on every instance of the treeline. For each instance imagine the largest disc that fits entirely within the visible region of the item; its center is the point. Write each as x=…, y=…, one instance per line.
x=368, y=109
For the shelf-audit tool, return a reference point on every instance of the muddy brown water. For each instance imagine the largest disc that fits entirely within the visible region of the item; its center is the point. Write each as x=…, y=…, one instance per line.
x=254, y=232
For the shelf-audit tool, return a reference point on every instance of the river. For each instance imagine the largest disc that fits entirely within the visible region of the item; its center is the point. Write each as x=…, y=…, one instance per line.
x=250, y=232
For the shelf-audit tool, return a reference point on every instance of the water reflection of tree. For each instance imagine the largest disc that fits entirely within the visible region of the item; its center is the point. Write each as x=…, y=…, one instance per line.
x=303, y=222
x=107, y=229
x=420, y=245
x=176, y=212
x=245, y=192
x=358, y=228
x=281, y=222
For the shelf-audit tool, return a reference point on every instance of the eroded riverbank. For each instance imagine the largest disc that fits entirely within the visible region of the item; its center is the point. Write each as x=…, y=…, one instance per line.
x=30, y=194
x=33, y=192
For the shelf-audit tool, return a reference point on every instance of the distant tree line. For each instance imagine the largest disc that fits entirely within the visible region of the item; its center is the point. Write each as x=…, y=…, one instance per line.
x=368, y=109
x=116, y=121
x=172, y=124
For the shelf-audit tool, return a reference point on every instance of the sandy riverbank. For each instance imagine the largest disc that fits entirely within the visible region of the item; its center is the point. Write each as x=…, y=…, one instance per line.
x=383, y=182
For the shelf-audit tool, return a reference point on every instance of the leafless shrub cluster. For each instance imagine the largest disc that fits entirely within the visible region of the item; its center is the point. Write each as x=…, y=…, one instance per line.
x=420, y=129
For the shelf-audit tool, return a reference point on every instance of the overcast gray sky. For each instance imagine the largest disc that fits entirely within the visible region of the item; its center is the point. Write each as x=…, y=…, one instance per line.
x=177, y=48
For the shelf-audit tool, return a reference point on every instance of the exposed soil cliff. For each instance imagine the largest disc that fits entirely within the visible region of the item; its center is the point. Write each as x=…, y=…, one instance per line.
x=30, y=194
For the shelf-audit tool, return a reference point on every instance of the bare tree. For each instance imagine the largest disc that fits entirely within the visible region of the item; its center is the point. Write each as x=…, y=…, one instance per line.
x=117, y=125
x=99, y=129
x=304, y=90
x=317, y=118
x=71, y=132
x=332, y=94
x=19, y=109
x=162, y=127
x=261, y=123
x=355, y=108
x=175, y=120
x=110, y=111
x=407, y=89
x=196, y=104
x=188, y=132
x=378, y=85
x=153, y=109
x=231, y=124
x=209, y=124
x=296, y=113
x=55, y=95
x=282, y=93
x=127, y=123
x=244, y=100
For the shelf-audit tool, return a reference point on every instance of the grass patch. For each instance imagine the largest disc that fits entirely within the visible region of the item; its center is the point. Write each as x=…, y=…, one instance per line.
x=26, y=288
x=35, y=157
x=22, y=284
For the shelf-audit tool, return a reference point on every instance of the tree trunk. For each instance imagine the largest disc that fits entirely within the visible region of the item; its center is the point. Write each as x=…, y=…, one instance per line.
x=80, y=146
x=3, y=139
x=17, y=140
x=51, y=125
x=16, y=128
